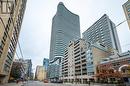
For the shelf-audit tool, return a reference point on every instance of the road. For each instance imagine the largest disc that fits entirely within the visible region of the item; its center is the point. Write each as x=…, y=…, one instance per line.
x=37, y=83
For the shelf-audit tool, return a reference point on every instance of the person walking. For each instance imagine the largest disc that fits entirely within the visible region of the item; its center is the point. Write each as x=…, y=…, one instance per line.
x=88, y=83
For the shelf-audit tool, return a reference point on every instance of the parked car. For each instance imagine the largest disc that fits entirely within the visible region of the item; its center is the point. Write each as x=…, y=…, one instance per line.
x=45, y=81
x=57, y=81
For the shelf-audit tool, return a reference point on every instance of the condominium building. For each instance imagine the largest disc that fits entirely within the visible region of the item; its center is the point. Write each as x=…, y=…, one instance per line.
x=65, y=27
x=40, y=73
x=103, y=31
x=126, y=8
x=11, y=16
x=74, y=62
x=94, y=54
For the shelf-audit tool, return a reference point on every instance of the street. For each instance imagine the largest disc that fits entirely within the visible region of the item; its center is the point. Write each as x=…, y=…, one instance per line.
x=37, y=83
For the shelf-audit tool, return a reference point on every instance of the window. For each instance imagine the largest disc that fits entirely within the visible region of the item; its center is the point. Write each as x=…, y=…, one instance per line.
x=129, y=15
x=5, y=7
x=0, y=43
x=128, y=9
x=0, y=48
x=128, y=4
x=128, y=61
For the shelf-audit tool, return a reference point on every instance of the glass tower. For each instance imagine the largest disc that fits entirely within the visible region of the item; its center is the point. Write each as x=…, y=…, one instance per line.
x=45, y=63
x=65, y=27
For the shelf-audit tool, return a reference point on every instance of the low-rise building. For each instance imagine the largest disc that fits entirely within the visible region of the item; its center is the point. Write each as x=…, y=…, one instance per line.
x=40, y=73
x=54, y=69
x=118, y=65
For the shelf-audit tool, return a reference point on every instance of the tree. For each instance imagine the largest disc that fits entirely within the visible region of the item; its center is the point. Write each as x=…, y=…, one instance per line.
x=16, y=71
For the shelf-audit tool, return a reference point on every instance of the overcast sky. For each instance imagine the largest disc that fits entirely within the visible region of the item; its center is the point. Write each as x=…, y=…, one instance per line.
x=36, y=28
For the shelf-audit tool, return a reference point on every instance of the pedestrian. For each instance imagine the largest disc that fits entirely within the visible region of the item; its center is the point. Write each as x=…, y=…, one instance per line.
x=17, y=81
x=89, y=83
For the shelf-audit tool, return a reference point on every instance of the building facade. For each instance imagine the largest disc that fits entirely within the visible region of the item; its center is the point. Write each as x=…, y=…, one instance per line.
x=11, y=16
x=54, y=71
x=74, y=62
x=27, y=64
x=115, y=68
x=40, y=73
x=126, y=8
x=17, y=71
x=79, y=64
x=28, y=68
x=45, y=63
x=94, y=54
x=104, y=32
x=65, y=27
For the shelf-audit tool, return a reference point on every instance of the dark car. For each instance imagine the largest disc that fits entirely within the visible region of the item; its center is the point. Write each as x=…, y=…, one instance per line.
x=57, y=81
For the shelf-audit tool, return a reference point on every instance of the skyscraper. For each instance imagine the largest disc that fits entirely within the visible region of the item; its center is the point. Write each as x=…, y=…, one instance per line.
x=103, y=31
x=126, y=7
x=11, y=16
x=65, y=27
x=45, y=63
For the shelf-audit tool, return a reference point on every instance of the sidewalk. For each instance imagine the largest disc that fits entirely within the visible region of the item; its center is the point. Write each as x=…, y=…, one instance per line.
x=12, y=84
x=94, y=84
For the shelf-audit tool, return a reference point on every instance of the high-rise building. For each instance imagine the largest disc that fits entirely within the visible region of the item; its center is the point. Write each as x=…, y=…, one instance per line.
x=45, y=63
x=74, y=62
x=27, y=64
x=126, y=7
x=17, y=71
x=103, y=31
x=40, y=73
x=11, y=16
x=65, y=27
x=28, y=68
x=81, y=59
x=46, y=66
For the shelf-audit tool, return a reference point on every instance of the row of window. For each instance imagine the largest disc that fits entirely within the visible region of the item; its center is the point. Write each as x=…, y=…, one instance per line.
x=14, y=39
x=5, y=36
x=6, y=68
